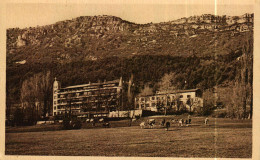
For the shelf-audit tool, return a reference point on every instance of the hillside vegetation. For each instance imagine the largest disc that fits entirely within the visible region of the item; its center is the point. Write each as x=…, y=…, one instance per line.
x=205, y=51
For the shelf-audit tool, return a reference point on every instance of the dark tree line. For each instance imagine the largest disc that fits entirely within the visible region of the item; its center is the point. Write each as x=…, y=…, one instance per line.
x=190, y=72
x=198, y=72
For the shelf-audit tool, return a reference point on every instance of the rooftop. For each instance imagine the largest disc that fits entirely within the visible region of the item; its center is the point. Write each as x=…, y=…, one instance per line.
x=177, y=91
x=171, y=92
x=92, y=84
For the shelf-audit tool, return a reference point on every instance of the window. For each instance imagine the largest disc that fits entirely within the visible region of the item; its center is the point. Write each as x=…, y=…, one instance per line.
x=54, y=108
x=181, y=96
x=142, y=99
x=55, y=102
x=153, y=104
x=153, y=98
x=55, y=113
x=147, y=105
x=188, y=96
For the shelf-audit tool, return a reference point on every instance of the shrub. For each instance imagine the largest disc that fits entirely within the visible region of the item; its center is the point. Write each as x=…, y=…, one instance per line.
x=203, y=111
x=220, y=114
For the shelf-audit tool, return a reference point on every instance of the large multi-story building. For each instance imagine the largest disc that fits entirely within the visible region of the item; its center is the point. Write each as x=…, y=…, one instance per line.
x=100, y=97
x=190, y=99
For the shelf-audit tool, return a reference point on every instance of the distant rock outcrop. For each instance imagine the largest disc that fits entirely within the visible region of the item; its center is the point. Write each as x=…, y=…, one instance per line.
x=104, y=36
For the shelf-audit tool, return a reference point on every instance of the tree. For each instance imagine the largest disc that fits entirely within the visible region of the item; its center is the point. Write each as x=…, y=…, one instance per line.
x=190, y=102
x=30, y=97
x=46, y=89
x=242, y=94
x=146, y=91
x=167, y=82
x=247, y=76
x=36, y=90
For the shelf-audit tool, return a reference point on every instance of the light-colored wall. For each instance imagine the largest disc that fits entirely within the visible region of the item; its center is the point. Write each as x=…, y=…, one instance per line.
x=163, y=96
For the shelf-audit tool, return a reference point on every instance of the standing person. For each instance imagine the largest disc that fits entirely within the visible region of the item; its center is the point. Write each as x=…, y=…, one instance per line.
x=163, y=122
x=186, y=122
x=167, y=126
x=189, y=119
x=93, y=123
x=206, y=121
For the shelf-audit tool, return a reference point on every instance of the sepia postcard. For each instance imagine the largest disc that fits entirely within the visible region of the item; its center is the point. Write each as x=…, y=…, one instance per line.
x=129, y=79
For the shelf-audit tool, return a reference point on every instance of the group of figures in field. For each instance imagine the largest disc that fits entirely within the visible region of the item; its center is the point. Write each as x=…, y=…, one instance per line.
x=150, y=123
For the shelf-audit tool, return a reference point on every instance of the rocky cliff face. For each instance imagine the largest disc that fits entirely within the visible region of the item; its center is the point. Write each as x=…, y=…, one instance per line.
x=93, y=37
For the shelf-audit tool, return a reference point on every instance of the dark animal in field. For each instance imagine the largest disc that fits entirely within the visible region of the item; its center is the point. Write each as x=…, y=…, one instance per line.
x=189, y=121
x=151, y=123
x=106, y=125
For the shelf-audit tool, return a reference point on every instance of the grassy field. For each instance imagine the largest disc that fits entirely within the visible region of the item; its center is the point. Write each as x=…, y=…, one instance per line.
x=222, y=138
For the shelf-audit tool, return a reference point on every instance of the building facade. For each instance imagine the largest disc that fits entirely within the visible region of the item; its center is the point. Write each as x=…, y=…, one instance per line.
x=189, y=99
x=88, y=98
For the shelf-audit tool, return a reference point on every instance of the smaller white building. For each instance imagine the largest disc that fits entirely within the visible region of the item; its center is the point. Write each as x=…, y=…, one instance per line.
x=189, y=99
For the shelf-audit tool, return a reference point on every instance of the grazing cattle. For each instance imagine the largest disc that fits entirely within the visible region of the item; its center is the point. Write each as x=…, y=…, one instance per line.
x=91, y=120
x=167, y=126
x=175, y=121
x=151, y=122
x=101, y=120
x=206, y=121
x=142, y=125
x=106, y=125
x=87, y=120
x=180, y=122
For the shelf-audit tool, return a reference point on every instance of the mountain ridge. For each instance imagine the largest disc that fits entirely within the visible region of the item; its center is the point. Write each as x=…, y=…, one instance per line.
x=204, y=50
x=95, y=37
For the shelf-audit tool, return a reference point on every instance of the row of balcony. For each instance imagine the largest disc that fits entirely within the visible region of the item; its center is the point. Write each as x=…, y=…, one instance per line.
x=89, y=90
x=81, y=102
x=83, y=96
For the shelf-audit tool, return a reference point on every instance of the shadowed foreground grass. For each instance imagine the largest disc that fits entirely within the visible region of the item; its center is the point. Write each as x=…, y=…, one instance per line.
x=223, y=138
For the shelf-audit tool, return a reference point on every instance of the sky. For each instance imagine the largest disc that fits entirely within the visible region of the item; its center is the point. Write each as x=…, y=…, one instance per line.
x=32, y=14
